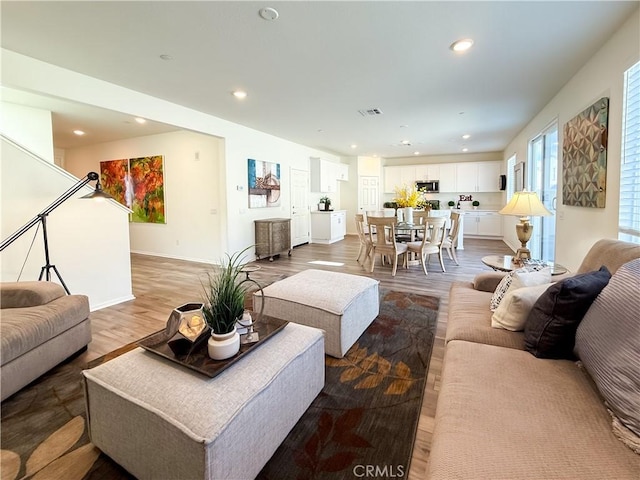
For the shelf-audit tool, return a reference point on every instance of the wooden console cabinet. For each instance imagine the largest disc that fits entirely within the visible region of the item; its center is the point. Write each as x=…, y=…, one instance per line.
x=273, y=236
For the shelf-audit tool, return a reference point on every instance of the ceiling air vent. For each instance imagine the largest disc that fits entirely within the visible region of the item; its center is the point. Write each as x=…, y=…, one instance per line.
x=370, y=112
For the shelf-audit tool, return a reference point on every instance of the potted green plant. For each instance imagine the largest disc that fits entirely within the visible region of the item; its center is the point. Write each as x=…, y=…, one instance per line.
x=224, y=296
x=451, y=203
x=327, y=203
x=475, y=204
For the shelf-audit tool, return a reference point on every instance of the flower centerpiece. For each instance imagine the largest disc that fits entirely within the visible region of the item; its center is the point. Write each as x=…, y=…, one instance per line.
x=224, y=297
x=407, y=197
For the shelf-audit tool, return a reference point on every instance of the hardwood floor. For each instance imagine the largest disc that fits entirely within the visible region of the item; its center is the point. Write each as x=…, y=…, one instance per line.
x=161, y=284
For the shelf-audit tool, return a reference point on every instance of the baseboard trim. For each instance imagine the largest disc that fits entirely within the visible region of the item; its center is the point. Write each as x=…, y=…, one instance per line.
x=110, y=303
x=174, y=257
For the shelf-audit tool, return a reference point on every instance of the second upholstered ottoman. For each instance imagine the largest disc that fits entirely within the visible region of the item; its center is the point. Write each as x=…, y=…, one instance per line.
x=341, y=304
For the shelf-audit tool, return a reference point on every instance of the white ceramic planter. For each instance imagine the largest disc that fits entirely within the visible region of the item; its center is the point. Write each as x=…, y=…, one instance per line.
x=223, y=346
x=408, y=215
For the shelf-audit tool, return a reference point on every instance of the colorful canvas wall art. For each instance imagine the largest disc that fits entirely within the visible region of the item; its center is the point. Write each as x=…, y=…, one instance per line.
x=137, y=183
x=114, y=177
x=584, y=157
x=264, y=184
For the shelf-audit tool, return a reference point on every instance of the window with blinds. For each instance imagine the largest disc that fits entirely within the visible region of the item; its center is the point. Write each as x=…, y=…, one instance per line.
x=629, y=219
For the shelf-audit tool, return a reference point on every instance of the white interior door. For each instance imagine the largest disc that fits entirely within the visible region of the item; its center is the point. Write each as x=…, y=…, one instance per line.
x=300, y=216
x=368, y=194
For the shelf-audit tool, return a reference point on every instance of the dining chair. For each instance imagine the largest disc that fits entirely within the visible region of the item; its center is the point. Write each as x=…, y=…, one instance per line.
x=384, y=241
x=419, y=217
x=365, y=240
x=430, y=243
x=450, y=241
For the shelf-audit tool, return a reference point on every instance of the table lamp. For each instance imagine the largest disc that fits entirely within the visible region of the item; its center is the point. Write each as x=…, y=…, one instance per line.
x=524, y=204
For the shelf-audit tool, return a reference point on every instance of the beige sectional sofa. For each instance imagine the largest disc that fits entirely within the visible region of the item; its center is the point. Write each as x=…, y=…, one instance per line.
x=504, y=414
x=40, y=326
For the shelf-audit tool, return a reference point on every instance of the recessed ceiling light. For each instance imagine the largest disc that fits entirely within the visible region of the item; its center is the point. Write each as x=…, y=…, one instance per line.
x=78, y=132
x=461, y=45
x=268, y=13
x=465, y=149
x=466, y=136
x=140, y=120
x=416, y=153
x=166, y=57
x=406, y=142
x=353, y=145
x=240, y=94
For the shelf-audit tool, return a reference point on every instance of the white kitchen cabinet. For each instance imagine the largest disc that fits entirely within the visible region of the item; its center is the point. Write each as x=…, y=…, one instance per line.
x=477, y=177
x=323, y=175
x=447, y=177
x=328, y=227
x=397, y=176
x=392, y=177
x=427, y=172
x=407, y=175
x=489, y=176
x=482, y=224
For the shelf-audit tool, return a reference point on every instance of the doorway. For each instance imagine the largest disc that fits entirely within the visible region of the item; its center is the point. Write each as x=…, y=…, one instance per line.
x=543, y=179
x=300, y=216
x=368, y=194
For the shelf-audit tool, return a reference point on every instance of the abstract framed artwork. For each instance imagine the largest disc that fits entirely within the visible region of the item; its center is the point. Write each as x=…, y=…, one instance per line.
x=584, y=157
x=264, y=184
x=137, y=183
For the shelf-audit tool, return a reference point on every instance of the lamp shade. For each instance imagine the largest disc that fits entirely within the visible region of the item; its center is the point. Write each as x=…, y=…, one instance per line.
x=525, y=204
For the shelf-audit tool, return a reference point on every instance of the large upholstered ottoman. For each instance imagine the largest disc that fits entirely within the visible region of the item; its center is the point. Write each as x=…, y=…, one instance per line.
x=162, y=421
x=342, y=305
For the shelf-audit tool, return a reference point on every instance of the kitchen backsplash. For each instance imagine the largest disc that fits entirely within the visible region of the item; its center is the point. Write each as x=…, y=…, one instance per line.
x=494, y=200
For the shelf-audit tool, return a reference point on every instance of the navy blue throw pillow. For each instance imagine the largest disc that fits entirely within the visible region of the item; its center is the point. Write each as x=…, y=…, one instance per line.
x=550, y=329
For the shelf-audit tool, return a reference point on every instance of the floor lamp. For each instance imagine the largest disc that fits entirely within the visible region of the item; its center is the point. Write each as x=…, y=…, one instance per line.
x=524, y=204
x=45, y=271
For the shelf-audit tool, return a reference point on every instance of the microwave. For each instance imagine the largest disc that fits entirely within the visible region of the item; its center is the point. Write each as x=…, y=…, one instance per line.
x=429, y=186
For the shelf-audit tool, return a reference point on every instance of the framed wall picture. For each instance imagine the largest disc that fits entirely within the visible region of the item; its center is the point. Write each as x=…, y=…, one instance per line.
x=137, y=183
x=584, y=157
x=518, y=175
x=264, y=184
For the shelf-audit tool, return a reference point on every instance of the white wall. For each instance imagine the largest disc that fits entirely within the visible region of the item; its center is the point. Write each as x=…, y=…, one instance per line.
x=578, y=228
x=28, y=127
x=88, y=240
x=240, y=143
x=191, y=231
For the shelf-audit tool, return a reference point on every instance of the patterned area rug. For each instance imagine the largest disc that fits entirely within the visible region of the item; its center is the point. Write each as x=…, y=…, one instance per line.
x=364, y=420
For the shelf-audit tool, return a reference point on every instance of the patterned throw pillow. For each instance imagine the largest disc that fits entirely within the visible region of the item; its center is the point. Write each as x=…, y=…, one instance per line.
x=539, y=274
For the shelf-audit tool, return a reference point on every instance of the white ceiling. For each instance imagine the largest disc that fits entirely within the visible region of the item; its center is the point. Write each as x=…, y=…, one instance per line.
x=309, y=72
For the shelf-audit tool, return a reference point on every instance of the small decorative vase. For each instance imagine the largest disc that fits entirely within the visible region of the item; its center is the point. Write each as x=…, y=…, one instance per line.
x=408, y=215
x=223, y=345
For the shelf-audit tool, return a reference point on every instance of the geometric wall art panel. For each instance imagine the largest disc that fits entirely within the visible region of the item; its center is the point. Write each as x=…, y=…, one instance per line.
x=584, y=157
